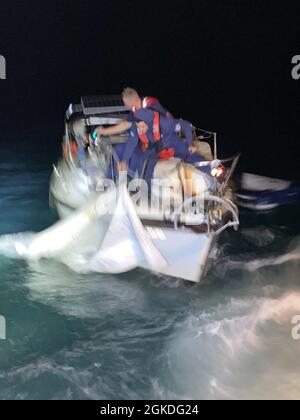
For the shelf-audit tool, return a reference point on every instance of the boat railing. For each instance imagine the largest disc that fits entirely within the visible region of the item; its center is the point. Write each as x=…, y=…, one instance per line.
x=212, y=138
x=208, y=136
x=225, y=202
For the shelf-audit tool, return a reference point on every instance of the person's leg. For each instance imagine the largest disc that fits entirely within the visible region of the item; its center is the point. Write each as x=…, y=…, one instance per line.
x=148, y=169
x=194, y=158
x=112, y=171
x=181, y=150
x=136, y=161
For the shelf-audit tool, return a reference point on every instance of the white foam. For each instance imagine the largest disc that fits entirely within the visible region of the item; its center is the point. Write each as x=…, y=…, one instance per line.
x=240, y=350
x=260, y=236
x=13, y=246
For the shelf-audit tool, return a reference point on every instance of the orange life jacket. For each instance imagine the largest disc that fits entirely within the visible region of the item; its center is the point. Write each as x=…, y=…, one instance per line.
x=164, y=154
x=156, y=133
x=167, y=154
x=147, y=102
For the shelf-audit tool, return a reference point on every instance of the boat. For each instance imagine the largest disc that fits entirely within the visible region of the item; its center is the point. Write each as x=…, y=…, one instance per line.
x=175, y=238
x=260, y=193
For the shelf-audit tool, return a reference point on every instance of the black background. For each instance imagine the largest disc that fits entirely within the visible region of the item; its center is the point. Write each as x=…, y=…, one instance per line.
x=225, y=65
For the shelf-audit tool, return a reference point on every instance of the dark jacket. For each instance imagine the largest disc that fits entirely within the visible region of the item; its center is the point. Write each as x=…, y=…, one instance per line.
x=170, y=129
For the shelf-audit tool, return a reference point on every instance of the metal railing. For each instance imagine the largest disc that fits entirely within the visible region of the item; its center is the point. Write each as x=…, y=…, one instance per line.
x=225, y=202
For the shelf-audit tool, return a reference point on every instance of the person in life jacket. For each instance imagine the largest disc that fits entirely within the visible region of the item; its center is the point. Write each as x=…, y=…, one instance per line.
x=81, y=138
x=157, y=138
x=134, y=103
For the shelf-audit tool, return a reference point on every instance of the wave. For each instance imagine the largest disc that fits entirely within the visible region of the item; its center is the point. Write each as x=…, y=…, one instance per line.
x=251, y=263
x=240, y=350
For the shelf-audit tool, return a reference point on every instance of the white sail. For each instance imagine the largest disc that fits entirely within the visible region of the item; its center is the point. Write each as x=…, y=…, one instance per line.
x=104, y=236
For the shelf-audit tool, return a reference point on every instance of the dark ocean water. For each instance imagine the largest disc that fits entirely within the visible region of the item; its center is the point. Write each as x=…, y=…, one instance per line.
x=140, y=336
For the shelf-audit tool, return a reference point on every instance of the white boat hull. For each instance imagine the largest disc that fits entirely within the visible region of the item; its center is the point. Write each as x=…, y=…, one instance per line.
x=186, y=252
x=185, y=249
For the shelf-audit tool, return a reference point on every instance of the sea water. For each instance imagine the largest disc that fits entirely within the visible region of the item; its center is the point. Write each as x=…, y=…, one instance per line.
x=140, y=335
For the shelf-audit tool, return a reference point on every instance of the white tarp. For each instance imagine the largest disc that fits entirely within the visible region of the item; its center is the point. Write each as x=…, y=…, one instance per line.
x=105, y=236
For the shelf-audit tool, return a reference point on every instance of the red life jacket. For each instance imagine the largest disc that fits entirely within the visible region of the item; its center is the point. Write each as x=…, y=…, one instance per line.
x=147, y=102
x=156, y=133
x=165, y=154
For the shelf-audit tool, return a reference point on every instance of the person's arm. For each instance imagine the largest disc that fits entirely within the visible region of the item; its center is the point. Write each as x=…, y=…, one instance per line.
x=116, y=129
x=171, y=125
x=186, y=128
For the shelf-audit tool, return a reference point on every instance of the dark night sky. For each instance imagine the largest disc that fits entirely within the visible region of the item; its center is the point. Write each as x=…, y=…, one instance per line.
x=223, y=64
